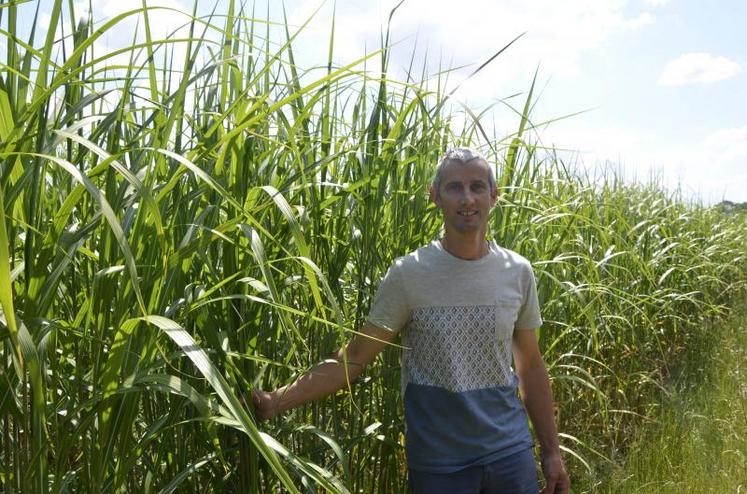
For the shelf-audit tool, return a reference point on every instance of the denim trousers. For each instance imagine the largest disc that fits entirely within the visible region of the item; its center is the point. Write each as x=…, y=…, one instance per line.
x=515, y=474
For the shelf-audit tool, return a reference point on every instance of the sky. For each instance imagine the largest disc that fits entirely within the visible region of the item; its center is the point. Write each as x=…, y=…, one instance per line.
x=660, y=85
x=655, y=89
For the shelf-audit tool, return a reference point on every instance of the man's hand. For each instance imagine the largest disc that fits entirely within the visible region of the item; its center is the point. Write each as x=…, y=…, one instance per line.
x=556, y=478
x=265, y=404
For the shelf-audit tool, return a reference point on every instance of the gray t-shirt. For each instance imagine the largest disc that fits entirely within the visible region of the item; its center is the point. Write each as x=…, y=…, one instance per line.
x=457, y=318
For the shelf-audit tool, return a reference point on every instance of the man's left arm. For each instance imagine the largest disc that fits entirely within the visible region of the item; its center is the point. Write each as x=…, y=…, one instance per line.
x=534, y=385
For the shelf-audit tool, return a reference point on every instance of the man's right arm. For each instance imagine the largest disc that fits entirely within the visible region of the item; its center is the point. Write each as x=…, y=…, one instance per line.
x=328, y=377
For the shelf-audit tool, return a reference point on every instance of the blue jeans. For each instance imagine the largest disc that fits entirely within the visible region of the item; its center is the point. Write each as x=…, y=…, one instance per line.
x=515, y=474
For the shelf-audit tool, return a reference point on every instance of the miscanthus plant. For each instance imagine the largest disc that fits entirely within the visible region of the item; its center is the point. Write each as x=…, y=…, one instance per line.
x=177, y=231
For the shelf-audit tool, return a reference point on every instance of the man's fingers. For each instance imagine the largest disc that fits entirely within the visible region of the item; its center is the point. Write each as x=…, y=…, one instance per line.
x=263, y=405
x=549, y=487
x=556, y=478
x=557, y=484
x=257, y=402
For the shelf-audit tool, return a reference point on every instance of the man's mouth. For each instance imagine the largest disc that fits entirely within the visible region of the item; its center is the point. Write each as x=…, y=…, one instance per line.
x=467, y=213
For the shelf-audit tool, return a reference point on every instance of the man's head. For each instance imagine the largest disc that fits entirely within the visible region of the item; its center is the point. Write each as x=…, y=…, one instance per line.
x=460, y=156
x=464, y=189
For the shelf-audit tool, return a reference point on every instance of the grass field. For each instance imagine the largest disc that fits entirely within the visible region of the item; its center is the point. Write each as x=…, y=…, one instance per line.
x=696, y=441
x=177, y=231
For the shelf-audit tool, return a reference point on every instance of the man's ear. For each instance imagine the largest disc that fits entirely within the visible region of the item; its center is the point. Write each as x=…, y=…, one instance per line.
x=493, y=196
x=434, y=195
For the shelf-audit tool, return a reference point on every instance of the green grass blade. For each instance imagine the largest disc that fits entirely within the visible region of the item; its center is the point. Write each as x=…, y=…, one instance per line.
x=200, y=359
x=110, y=216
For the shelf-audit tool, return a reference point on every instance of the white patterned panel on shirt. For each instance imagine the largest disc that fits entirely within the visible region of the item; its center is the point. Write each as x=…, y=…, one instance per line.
x=457, y=348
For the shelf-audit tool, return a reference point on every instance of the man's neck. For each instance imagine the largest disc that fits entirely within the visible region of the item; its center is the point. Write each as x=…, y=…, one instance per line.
x=468, y=247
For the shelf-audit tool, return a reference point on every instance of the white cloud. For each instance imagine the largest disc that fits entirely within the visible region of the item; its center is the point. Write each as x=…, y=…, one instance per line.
x=656, y=3
x=167, y=19
x=727, y=145
x=697, y=68
x=597, y=144
x=643, y=19
x=709, y=169
x=558, y=33
x=82, y=12
x=44, y=21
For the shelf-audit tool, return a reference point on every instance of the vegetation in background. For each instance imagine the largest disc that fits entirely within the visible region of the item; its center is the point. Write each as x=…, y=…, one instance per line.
x=736, y=207
x=698, y=440
x=176, y=232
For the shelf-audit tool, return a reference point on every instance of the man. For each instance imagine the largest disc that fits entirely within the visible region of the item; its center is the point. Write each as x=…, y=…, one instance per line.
x=465, y=306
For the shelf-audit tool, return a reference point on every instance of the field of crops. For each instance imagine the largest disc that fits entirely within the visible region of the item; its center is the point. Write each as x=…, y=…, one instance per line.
x=179, y=231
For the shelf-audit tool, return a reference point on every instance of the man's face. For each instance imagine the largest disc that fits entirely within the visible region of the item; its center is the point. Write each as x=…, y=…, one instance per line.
x=464, y=195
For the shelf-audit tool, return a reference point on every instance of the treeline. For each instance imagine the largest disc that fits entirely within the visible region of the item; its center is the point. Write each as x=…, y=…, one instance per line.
x=732, y=207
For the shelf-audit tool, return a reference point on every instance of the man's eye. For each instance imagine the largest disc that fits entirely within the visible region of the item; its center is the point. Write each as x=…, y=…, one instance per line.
x=478, y=187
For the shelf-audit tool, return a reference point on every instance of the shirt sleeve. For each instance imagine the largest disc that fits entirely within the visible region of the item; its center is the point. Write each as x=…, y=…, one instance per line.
x=529, y=312
x=390, y=309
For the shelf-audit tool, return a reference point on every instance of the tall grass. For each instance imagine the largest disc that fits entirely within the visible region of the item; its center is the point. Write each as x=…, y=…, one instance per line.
x=698, y=440
x=177, y=232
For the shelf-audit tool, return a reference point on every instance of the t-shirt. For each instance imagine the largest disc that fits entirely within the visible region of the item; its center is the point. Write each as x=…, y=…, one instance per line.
x=457, y=318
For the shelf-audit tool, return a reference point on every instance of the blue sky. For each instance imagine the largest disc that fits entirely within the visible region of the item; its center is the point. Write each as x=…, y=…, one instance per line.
x=664, y=81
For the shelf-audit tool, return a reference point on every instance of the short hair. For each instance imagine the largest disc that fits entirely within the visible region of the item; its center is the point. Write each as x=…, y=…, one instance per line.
x=461, y=156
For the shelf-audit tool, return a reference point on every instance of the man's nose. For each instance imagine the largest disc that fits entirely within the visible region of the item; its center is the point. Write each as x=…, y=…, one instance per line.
x=467, y=197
